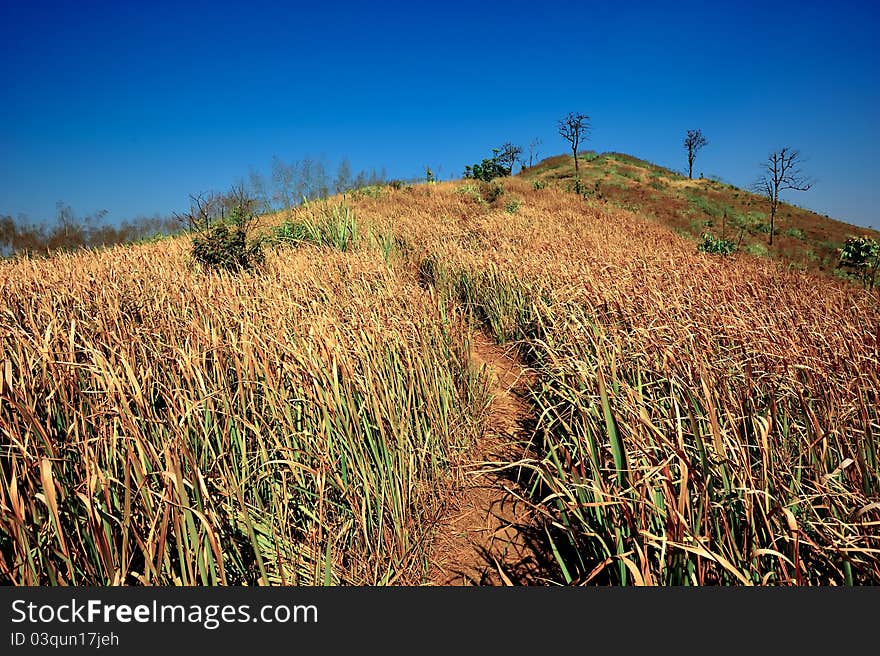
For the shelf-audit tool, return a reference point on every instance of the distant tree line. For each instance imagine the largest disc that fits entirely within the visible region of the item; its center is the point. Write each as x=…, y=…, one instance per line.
x=289, y=184
x=68, y=231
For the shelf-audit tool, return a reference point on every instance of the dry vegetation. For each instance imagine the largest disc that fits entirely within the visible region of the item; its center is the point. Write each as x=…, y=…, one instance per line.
x=697, y=419
x=168, y=427
x=803, y=239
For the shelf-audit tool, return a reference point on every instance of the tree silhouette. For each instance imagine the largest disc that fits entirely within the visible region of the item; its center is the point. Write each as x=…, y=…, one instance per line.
x=782, y=172
x=693, y=142
x=575, y=128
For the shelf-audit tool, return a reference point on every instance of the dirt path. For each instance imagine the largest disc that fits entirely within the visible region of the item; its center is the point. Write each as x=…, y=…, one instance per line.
x=488, y=536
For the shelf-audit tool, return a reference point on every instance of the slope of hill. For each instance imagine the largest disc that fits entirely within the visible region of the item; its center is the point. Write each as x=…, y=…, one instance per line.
x=692, y=207
x=686, y=418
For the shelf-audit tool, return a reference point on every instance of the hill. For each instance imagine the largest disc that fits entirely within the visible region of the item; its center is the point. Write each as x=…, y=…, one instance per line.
x=693, y=207
x=407, y=359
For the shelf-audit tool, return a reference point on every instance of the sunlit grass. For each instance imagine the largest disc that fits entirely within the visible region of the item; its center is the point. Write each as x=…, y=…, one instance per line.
x=697, y=419
x=166, y=427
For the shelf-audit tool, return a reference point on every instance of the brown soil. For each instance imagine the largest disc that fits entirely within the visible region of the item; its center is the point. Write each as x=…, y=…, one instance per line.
x=488, y=535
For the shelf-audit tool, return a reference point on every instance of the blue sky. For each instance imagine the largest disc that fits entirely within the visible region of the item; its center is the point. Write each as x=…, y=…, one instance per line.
x=130, y=107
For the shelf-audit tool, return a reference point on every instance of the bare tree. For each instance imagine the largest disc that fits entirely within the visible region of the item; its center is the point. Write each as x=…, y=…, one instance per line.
x=306, y=180
x=575, y=128
x=533, y=151
x=361, y=180
x=258, y=189
x=374, y=178
x=782, y=171
x=342, y=183
x=693, y=142
x=321, y=183
x=242, y=206
x=204, y=209
x=283, y=176
x=508, y=156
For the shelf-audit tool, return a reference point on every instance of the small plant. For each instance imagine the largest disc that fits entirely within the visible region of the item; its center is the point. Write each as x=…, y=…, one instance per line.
x=512, y=206
x=291, y=232
x=595, y=192
x=538, y=184
x=491, y=192
x=795, y=233
x=862, y=255
x=715, y=245
x=325, y=225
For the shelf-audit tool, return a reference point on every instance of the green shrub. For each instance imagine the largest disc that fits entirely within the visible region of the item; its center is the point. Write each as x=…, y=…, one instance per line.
x=795, y=233
x=491, y=192
x=712, y=244
x=220, y=242
x=512, y=206
x=471, y=190
x=488, y=169
x=596, y=191
x=291, y=232
x=859, y=251
x=226, y=248
x=538, y=184
x=862, y=255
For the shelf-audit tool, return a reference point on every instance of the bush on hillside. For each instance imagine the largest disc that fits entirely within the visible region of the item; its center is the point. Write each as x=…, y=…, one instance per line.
x=226, y=248
x=862, y=254
x=491, y=192
x=716, y=245
x=220, y=242
x=488, y=169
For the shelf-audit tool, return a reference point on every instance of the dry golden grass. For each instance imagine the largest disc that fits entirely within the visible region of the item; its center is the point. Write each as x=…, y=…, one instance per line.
x=164, y=426
x=698, y=420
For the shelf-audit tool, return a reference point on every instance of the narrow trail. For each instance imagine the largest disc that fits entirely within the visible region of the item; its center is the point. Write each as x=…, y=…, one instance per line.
x=488, y=535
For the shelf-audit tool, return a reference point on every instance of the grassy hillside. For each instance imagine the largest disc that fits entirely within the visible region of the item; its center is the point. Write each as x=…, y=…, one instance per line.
x=695, y=419
x=692, y=207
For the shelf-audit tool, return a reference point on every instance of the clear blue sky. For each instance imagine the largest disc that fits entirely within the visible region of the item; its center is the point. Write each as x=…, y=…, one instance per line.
x=129, y=107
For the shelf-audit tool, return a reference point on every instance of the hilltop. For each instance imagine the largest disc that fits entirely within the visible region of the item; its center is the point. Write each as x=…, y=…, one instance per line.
x=693, y=207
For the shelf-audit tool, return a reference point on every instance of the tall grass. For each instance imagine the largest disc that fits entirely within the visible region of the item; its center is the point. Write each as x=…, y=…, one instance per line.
x=698, y=421
x=323, y=223
x=161, y=427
